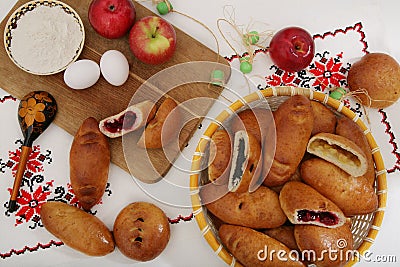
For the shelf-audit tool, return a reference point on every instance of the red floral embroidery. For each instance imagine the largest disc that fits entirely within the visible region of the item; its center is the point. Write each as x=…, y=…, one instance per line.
x=328, y=73
x=30, y=204
x=33, y=165
x=286, y=78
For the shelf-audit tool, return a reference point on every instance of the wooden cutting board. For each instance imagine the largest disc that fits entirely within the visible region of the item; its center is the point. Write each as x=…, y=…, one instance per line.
x=103, y=100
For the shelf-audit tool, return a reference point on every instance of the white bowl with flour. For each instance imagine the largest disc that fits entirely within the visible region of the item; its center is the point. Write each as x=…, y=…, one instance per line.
x=44, y=37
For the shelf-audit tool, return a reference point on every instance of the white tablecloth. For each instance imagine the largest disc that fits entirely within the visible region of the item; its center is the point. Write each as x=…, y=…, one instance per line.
x=343, y=32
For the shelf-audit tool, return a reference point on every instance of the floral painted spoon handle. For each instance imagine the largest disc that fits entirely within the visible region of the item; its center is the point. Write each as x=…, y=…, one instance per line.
x=35, y=113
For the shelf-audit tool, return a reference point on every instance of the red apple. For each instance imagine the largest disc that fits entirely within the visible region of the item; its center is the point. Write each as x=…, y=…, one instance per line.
x=152, y=40
x=112, y=18
x=292, y=49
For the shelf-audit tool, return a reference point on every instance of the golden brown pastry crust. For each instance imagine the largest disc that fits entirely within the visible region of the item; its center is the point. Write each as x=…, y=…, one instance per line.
x=141, y=231
x=77, y=229
x=245, y=245
x=349, y=129
x=295, y=177
x=294, y=123
x=157, y=133
x=260, y=209
x=324, y=119
x=89, y=163
x=220, y=155
x=340, y=151
x=254, y=120
x=284, y=234
x=353, y=195
x=379, y=75
x=321, y=240
x=297, y=196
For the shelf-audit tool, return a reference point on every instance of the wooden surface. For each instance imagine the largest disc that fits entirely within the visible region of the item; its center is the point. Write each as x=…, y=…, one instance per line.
x=103, y=100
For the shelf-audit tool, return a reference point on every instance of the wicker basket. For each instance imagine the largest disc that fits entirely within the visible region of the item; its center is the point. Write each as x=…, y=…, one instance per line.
x=364, y=228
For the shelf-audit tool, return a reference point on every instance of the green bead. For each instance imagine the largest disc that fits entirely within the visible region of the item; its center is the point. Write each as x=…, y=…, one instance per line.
x=246, y=67
x=335, y=95
x=217, y=77
x=252, y=37
x=341, y=89
x=338, y=93
x=163, y=9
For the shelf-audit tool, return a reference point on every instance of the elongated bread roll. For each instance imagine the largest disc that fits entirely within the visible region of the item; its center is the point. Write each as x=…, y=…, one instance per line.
x=77, y=229
x=353, y=195
x=128, y=120
x=254, y=120
x=220, y=155
x=325, y=246
x=349, y=129
x=340, y=151
x=294, y=123
x=302, y=204
x=324, y=119
x=259, y=209
x=89, y=163
x=164, y=127
x=284, y=234
x=246, y=156
x=253, y=248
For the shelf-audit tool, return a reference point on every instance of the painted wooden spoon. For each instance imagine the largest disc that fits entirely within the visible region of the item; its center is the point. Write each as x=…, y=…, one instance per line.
x=35, y=113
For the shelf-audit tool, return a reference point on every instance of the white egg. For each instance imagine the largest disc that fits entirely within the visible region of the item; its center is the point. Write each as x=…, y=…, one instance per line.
x=114, y=67
x=82, y=74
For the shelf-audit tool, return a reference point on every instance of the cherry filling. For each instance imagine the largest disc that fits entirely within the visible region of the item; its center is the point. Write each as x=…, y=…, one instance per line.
x=116, y=125
x=323, y=217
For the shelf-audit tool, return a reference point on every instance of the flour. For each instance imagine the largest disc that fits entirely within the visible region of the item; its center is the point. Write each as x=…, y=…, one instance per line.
x=46, y=39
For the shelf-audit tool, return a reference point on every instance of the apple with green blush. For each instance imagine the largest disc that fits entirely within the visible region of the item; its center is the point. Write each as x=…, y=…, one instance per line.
x=152, y=40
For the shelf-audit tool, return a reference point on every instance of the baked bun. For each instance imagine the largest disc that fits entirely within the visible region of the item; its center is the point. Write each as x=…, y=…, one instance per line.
x=330, y=246
x=353, y=195
x=141, y=231
x=349, y=129
x=163, y=128
x=324, y=119
x=255, y=121
x=77, y=229
x=284, y=234
x=294, y=123
x=245, y=245
x=295, y=177
x=340, y=151
x=220, y=154
x=128, y=120
x=89, y=160
x=379, y=75
x=259, y=209
x=302, y=204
